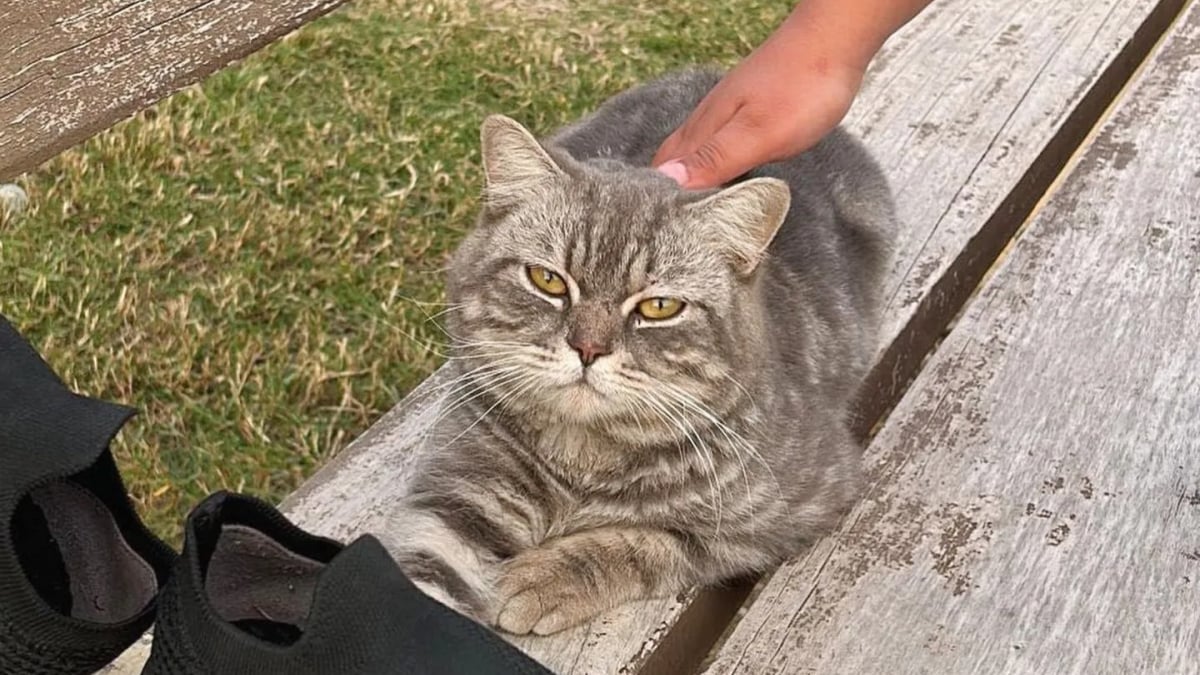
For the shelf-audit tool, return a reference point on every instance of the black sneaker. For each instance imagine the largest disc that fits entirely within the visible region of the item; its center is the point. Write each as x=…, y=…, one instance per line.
x=253, y=593
x=78, y=570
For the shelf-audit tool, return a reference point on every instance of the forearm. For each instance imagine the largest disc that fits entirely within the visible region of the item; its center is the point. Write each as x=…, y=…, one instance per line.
x=841, y=33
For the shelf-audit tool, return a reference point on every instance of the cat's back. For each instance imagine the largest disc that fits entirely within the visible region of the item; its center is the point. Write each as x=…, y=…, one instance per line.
x=632, y=125
x=840, y=230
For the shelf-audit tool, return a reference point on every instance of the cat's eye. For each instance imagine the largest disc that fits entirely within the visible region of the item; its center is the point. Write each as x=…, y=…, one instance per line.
x=657, y=309
x=547, y=282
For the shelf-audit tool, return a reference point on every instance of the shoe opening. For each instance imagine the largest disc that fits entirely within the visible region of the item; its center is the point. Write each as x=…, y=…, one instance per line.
x=259, y=585
x=76, y=556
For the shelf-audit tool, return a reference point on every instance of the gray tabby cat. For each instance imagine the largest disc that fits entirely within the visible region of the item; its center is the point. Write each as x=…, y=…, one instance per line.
x=652, y=385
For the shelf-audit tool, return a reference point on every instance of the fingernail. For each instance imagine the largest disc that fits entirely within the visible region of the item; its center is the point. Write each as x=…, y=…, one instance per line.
x=676, y=170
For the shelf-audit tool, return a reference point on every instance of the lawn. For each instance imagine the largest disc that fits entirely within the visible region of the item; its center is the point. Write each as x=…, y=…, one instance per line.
x=253, y=262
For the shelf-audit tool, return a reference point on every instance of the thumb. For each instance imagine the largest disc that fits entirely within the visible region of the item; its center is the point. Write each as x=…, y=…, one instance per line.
x=727, y=154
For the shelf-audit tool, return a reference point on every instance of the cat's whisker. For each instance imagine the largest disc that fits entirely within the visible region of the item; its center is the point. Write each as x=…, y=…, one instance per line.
x=527, y=382
x=467, y=344
x=419, y=302
x=470, y=374
x=482, y=380
x=637, y=417
x=737, y=455
x=644, y=404
x=426, y=344
x=506, y=348
x=445, y=331
x=431, y=318
x=487, y=355
x=449, y=308
x=743, y=389
x=738, y=442
x=715, y=419
x=704, y=453
x=456, y=339
x=473, y=389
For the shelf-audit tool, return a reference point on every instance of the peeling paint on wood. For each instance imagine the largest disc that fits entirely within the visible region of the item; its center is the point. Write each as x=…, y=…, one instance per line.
x=1031, y=505
x=70, y=69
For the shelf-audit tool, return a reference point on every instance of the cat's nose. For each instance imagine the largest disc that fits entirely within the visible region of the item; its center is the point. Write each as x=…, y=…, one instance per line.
x=589, y=350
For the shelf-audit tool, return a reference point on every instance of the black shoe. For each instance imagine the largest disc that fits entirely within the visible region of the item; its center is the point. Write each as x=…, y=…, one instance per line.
x=78, y=570
x=254, y=594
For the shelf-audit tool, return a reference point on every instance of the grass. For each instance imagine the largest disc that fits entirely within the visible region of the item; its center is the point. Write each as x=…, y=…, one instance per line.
x=251, y=262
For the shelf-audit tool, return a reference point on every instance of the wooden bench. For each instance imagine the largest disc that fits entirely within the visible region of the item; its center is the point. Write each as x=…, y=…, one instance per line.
x=974, y=110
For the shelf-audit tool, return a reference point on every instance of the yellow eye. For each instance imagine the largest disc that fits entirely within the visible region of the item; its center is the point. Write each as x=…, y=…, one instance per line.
x=548, y=282
x=658, y=309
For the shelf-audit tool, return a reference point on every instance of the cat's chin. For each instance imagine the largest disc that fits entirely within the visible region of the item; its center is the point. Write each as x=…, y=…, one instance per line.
x=582, y=403
x=583, y=394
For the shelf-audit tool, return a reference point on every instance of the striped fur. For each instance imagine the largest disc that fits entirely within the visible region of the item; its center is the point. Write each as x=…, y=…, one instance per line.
x=703, y=447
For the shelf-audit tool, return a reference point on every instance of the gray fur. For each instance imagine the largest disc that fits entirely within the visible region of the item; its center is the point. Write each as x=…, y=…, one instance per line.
x=717, y=445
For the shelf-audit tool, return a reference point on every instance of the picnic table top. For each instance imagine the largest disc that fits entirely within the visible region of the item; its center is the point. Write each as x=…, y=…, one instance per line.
x=1034, y=499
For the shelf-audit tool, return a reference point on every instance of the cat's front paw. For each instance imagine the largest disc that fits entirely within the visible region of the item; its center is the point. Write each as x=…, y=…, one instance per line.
x=538, y=593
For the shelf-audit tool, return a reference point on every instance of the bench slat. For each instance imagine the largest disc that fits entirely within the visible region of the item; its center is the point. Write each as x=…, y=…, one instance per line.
x=1035, y=498
x=972, y=103
x=72, y=68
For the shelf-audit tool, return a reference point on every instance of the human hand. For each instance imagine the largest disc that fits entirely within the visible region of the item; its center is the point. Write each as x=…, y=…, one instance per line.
x=786, y=95
x=766, y=109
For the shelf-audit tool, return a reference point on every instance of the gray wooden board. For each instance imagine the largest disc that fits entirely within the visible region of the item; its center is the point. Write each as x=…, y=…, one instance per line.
x=1035, y=498
x=71, y=68
x=961, y=107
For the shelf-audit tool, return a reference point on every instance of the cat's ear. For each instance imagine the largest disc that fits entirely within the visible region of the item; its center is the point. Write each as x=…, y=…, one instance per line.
x=742, y=219
x=514, y=163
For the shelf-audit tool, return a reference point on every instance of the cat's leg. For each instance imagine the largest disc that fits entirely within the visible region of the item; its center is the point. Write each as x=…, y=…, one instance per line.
x=570, y=579
x=439, y=561
x=451, y=543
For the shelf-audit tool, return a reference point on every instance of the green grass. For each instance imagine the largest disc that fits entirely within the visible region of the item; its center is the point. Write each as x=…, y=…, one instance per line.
x=251, y=262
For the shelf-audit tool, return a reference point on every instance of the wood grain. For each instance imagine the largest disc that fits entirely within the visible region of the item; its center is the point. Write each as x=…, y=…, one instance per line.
x=973, y=109
x=1035, y=499
x=973, y=125
x=72, y=68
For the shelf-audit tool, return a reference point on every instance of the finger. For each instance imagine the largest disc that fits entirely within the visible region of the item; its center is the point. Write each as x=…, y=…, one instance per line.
x=670, y=148
x=712, y=113
x=733, y=150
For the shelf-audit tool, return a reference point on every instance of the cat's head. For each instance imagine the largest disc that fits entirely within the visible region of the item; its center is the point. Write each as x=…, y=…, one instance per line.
x=590, y=294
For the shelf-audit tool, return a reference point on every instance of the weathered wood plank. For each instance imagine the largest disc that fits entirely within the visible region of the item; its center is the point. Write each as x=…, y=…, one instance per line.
x=1035, y=499
x=988, y=102
x=71, y=68
x=973, y=109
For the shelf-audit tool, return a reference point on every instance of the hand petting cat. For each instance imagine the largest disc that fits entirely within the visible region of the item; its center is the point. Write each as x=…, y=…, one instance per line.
x=786, y=95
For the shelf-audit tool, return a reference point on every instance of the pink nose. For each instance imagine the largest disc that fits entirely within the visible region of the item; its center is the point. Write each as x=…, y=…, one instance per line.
x=589, y=350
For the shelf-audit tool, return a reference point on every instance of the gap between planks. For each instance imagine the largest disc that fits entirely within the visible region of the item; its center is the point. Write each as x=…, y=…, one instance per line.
x=1055, y=185
x=902, y=360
